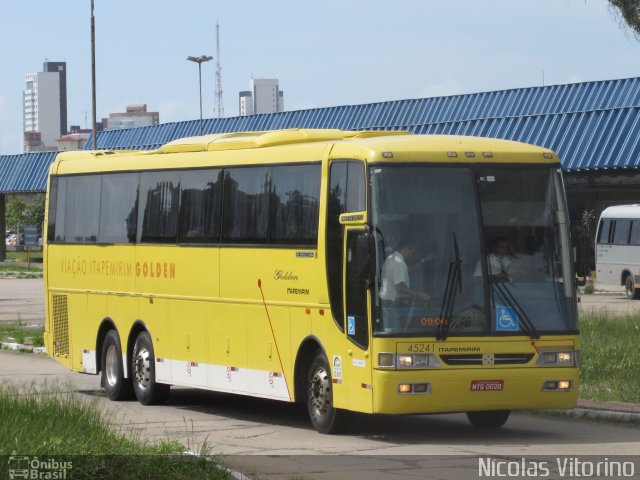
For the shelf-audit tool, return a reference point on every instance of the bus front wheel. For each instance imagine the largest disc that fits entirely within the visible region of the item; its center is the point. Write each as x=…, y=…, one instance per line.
x=630, y=288
x=115, y=386
x=324, y=417
x=143, y=368
x=489, y=419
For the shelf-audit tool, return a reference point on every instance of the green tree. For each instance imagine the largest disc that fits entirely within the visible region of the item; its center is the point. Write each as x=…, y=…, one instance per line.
x=629, y=10
x=20, y=212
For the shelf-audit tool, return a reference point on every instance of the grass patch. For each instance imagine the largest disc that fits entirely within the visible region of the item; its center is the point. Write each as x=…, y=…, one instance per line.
x=15, y=332
x=11, y=270
x=11, y=267
x=36, y=257
x=50, y=422
x=610, y=358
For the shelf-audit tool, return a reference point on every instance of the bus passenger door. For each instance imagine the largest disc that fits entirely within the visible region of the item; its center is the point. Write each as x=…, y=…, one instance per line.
x=357, y=365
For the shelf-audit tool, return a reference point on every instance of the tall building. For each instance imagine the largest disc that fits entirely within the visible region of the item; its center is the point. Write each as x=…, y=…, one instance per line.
x=135, y=116
x=45, y=107
x=264, y=96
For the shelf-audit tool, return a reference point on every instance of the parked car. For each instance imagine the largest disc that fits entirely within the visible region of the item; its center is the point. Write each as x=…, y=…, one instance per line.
x=11, y=239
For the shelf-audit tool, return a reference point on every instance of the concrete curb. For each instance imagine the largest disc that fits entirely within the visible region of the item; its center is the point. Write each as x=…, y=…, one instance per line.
x=610, y=415
x=234, y=473
x=609, y=406
x=20, y=275
x=22, y=348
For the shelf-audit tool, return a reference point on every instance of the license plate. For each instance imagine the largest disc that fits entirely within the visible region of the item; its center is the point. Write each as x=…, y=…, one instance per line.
x=487, y=385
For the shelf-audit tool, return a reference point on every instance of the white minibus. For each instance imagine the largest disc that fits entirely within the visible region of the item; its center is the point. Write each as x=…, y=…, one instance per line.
x=618, y=249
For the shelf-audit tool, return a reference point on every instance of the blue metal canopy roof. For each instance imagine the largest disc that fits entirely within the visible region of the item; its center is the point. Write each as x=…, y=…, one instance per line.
x=591, y=125
x=26, y=173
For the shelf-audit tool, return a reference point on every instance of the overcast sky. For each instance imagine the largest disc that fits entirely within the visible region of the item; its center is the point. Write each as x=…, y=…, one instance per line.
x=327, y=53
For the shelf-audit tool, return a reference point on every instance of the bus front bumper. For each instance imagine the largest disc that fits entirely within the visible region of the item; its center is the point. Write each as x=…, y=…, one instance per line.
x=473, y=390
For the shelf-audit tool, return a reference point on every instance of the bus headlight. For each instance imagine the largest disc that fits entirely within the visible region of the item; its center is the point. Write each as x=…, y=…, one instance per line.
x=386, y=360
x=557, y=385
x=417, y=360
x=405, y=361
x=414, y=388
x=565, y=357
x=561, y=358
x=421, y=360
x=404, y=388
x=389, y=360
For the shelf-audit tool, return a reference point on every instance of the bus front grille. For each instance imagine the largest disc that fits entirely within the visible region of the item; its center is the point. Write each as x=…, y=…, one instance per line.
x=498, y=359
x=60, y=325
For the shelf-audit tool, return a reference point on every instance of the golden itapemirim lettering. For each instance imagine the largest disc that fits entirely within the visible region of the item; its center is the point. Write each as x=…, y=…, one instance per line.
x=117, y=268
x=156, y=269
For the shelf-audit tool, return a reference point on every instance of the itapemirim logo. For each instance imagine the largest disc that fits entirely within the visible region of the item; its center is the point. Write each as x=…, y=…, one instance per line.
x=37, y=469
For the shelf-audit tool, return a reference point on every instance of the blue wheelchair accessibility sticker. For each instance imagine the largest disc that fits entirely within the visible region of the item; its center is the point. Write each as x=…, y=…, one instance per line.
x=351, y=325
x=507, y=319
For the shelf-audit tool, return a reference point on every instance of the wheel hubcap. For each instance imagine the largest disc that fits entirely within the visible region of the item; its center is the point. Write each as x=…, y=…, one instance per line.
x=142, y=368
x=111, y=366
x=320, y=393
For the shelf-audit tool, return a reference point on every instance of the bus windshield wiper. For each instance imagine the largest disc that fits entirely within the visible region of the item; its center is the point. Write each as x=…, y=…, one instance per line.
x=504, y=295
x=454, y=279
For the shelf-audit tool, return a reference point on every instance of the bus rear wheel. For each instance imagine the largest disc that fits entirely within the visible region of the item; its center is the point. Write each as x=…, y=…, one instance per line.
x=489, y=419
x=112, y=379
x=324, y=417
x=630, y=288
x=143, y=368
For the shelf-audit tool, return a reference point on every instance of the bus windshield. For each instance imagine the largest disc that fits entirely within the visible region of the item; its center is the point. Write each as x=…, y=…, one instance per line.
x=470, y=251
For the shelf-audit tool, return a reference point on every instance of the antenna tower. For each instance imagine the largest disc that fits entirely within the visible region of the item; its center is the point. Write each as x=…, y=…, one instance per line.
x=219, y=104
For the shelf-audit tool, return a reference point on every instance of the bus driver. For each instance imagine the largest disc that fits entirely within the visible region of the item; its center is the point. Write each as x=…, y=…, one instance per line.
x=395, y=275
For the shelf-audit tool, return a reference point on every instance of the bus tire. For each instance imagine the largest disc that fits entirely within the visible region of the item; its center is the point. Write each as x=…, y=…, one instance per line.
x=112, y=379
x=143, y=371
x=488, y=419
x=324, y=417
x=630, y=288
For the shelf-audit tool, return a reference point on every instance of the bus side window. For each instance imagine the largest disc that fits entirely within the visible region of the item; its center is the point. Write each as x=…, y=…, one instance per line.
x=634, y=237
x=621, y=232
x=604, y=230
x=200, y=205
x=119, y=208
x=81, y=210
x=53, y=204
x=158, y=204
x=245, y=205
x=295, y=205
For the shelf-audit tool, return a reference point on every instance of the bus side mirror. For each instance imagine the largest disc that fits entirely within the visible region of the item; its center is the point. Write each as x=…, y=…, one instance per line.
x=364, y=259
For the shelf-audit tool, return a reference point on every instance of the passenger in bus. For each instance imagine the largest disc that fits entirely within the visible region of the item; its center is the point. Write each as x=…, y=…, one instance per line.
x=500, y=261
x=396, y=286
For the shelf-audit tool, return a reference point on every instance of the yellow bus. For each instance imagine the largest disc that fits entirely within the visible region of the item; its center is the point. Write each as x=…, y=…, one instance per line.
x=377, y=272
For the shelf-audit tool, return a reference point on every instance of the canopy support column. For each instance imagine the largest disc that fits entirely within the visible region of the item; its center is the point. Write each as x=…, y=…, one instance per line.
x=3, y=228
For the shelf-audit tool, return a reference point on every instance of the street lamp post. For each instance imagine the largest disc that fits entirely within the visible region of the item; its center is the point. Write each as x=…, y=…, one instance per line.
x=94, y=132
x=200, y=60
